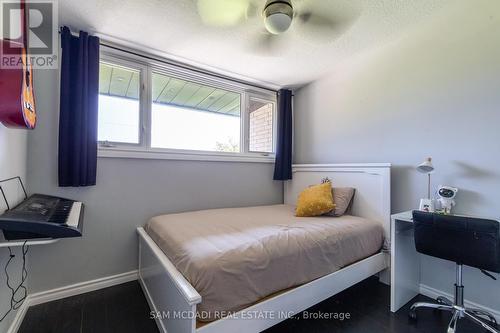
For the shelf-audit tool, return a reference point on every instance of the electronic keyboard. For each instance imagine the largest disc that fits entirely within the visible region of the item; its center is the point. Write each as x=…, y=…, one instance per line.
x=43, y=216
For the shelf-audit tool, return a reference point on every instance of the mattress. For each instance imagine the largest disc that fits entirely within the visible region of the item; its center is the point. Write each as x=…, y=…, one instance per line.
x=234, y=257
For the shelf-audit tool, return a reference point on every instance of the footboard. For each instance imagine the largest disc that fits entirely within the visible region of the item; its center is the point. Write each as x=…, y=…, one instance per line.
x=173, y=300
x=171, y=297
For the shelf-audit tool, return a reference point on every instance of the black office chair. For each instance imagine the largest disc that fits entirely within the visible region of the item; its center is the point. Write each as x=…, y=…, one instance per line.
x=467, y=241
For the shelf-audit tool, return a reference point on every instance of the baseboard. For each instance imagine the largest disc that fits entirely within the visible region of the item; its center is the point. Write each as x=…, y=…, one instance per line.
x=81, y=288
x=434, y=293
x=68, y=291
x=18, y=319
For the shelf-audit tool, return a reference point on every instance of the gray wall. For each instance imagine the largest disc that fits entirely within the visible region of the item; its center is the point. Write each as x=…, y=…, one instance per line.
x=12, y=163
x=129, y=192
x=433, y=92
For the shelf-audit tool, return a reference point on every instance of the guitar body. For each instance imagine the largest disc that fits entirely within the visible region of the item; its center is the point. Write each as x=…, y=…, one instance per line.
x=17, y=96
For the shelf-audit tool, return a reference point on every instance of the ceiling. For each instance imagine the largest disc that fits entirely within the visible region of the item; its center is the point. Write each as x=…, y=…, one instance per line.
x=174, y=28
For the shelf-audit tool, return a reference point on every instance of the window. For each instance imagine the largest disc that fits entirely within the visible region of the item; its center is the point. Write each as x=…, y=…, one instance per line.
x=119, y=107
x=148, y=106
x=187, y=115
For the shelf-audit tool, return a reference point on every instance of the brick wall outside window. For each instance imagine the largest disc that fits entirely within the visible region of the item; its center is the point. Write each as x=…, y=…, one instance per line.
x=261, y=129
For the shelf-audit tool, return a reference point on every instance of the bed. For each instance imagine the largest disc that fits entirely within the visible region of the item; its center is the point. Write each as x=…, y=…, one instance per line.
x=236, y=256
x=246, y=269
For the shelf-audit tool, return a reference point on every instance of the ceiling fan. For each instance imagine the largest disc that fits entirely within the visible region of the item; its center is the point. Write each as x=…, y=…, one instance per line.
x=277, y=16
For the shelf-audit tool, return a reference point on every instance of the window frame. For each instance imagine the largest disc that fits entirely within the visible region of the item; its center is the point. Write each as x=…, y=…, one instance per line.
x=147, y=66
x=142, y=103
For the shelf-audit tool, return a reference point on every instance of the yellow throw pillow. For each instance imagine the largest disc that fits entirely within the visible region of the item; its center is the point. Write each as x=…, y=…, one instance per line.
x=315, y=200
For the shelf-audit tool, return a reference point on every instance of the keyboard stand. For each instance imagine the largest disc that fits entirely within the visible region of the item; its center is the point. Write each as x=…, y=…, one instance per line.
x=5, y=243
x=44, y=241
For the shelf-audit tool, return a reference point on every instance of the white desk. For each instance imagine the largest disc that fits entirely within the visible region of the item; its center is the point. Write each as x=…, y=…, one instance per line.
x=405, y=261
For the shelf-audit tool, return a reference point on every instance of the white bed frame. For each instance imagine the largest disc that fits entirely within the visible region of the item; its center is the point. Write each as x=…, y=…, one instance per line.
x=173, y=300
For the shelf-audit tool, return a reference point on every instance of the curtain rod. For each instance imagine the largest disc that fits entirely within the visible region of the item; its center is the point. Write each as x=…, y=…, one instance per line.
x=184, y=66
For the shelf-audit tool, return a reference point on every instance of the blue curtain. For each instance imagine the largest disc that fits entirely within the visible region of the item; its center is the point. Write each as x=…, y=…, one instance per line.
x=283, y=165
x=78, y=109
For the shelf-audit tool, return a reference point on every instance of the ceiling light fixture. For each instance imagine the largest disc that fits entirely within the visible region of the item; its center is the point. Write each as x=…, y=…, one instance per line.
x=278, y=15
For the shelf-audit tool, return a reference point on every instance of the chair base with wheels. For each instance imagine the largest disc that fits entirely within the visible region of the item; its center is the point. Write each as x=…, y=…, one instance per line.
x=458, y=309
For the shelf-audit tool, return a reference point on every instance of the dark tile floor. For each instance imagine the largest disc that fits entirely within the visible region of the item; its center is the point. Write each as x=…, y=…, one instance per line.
x=121, y=308
x=368, y=305
x=124, y=309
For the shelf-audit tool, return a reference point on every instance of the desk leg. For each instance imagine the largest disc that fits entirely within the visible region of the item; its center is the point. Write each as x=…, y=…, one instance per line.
x=405, y=264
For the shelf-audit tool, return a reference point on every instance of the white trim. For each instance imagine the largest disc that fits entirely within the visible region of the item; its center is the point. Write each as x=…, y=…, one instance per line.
x=68, y=291
x=120, y=152
x=312, y=167
x=434, y=293
x=18, y=319
x=81, y=287
x=27, y=243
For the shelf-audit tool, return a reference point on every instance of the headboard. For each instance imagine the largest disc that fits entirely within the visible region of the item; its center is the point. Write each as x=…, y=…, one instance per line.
x=372, y=182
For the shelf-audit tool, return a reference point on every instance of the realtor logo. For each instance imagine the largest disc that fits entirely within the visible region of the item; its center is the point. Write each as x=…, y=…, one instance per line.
x=41, y=33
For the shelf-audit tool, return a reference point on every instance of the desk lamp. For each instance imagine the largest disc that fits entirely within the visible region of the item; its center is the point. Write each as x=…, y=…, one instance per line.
x=426, y=167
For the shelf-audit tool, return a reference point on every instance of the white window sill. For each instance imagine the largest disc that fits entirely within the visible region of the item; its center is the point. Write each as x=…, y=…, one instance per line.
x=115, y=152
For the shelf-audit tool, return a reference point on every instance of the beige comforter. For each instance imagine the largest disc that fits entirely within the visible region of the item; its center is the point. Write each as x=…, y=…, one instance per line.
x=234, y=257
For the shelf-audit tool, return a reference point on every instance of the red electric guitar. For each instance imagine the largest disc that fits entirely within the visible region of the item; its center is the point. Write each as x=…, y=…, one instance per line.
x=17, y=96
